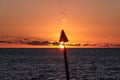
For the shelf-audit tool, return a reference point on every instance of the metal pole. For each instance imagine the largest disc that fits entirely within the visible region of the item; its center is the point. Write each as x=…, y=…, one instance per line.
x=66, y=64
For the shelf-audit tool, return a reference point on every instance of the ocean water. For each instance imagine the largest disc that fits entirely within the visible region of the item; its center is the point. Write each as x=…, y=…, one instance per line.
x=48, y=64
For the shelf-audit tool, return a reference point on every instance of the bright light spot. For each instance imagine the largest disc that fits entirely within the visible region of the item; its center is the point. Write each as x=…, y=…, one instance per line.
x=62, y=45
x=61, y=42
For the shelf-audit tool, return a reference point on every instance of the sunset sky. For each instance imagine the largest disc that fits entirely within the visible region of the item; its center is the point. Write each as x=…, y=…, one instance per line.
x=84, y=21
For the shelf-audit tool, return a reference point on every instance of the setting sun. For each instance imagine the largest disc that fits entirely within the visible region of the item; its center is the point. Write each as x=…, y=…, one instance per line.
x=61, y=46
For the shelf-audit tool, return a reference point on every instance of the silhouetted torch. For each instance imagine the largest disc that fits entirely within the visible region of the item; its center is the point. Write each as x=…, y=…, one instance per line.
x=63, y=39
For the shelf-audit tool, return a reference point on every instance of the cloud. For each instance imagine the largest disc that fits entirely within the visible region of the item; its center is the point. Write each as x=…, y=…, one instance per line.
x=39, y=42
x=28, y=41
x=73, y=44
x=55, y=43
x=102, y=45
x=5, y=42
x=36, y=42
x=89, y=44
x=111, y=45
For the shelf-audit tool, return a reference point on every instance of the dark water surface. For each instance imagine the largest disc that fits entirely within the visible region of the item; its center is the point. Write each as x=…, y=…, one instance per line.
x=48, y=64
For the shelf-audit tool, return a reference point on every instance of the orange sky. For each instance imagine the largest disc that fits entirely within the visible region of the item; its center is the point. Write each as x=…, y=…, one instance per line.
x=85, y=21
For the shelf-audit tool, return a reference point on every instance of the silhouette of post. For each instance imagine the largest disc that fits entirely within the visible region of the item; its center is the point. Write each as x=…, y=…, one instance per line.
x=64, y=39
x=66, y=64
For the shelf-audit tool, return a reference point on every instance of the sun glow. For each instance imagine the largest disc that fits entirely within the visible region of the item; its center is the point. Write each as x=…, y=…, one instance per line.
x=62, y=45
